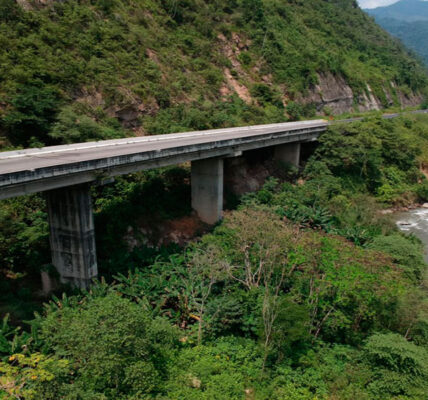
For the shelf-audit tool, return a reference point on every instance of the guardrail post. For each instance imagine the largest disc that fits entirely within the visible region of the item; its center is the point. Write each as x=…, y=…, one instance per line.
x=288, y=153
x=72, y=234
x=207, y=189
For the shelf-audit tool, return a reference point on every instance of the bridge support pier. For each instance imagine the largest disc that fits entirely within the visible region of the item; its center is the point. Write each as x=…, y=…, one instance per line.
x=288, y=153
x=207, y=189
x=72, y=235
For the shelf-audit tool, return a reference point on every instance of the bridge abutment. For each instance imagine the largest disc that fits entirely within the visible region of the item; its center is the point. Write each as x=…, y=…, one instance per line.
x=288, y=153
x=207, y=189
x=72, y=235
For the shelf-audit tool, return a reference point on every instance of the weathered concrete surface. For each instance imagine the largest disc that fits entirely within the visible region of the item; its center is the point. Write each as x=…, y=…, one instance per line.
x=288, y=153
x=72, y=235
x=207, y=189
x=48, y=283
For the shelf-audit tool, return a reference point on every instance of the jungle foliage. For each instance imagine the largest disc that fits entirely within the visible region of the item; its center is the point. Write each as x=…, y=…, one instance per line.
x=306, y=291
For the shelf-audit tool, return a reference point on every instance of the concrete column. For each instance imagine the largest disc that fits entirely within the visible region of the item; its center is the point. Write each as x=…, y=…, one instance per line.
x=72, y=235
x=288, y=153
x=207, y=189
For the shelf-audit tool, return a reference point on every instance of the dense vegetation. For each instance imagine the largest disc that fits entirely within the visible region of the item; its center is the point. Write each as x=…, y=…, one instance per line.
x=306, y=291
x=76, y=71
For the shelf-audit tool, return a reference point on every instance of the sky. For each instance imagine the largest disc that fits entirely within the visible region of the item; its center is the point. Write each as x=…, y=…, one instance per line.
x=375, y=3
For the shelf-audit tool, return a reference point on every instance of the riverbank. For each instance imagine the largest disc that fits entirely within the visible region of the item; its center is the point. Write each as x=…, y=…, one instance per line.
x=404, y=208
x=415, y=221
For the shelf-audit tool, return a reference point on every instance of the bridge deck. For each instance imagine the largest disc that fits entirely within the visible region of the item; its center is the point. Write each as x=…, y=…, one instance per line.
x=34, y=170
x=31, y=170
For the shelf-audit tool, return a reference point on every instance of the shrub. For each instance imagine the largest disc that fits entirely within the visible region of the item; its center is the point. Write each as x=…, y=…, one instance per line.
x=400, y=367
x=9, y=10
x=294, y=111
x=73, y=128
x=34, y=109
x=231, y=364
x=118, y=347
x=33, y=377
x=422, y=191
x=266, y=94
x=405, y=252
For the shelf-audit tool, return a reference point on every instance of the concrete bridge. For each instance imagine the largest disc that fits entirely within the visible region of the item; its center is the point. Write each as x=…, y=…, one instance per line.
x=66, y=172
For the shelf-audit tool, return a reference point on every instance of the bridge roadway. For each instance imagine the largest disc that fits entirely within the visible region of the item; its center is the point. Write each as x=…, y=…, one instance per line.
x=35, y=170
x=66, y=172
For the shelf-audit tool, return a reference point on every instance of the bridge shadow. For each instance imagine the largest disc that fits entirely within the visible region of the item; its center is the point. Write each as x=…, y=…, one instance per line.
x=132, y=216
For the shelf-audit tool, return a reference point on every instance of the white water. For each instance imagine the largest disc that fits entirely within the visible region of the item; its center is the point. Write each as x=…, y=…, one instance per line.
x=416, y=222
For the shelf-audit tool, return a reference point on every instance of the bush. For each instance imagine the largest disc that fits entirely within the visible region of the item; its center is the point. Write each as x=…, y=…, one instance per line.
x=9, y=10
x=406, y=252
x=231, y=364
x=33, y=377
x=74, y=128
x=422, y=191
x=400, y=367
x=294, y=111
x=34, y=109
x=266, y=95
x=119, y=349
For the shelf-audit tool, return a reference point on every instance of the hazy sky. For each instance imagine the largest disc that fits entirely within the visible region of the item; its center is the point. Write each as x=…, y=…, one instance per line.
x=375, y=3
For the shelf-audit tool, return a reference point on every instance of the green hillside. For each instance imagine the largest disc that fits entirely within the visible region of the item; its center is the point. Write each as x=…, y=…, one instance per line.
x=305, y=290
x=75, y=71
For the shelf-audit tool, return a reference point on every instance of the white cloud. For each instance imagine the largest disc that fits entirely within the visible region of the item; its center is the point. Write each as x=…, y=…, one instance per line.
x=375, y=3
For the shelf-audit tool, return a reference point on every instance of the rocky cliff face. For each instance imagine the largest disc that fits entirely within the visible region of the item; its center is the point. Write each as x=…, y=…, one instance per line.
x=332, y=94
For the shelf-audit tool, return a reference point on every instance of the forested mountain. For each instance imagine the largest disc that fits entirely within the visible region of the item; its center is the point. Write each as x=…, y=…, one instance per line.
x=407, y=20
x=403, y=10
x=413, y=34
x=306, y=290
x=74, y=71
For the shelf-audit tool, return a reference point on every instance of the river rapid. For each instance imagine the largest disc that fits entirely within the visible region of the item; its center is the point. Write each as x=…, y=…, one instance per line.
x=416, y=222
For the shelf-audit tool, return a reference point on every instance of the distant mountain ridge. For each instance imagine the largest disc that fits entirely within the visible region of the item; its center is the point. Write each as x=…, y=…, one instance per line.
x=404, y=10
x=408, y=21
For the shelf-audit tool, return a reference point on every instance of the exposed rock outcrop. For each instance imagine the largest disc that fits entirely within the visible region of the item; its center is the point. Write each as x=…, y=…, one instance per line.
x=332, y=94
x=411, y=99
x=231, y=49
x=367, y=101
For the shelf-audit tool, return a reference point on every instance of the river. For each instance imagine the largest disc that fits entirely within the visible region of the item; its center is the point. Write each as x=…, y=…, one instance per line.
x=415, y=221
